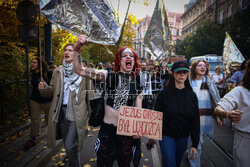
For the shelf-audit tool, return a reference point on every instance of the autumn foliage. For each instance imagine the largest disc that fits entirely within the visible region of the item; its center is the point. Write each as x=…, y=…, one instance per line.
x=13, y=55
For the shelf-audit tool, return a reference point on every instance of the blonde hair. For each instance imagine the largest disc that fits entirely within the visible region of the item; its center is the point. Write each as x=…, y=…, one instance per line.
x=217, y=67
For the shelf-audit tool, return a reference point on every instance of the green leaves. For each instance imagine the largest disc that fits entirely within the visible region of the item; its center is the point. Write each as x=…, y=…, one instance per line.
x=208, y=38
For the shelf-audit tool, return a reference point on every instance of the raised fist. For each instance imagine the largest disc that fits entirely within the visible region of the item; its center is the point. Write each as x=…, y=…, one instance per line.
x=82, y=39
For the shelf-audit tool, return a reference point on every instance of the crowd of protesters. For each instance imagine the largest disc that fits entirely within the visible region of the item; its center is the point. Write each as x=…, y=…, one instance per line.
x=188, y=96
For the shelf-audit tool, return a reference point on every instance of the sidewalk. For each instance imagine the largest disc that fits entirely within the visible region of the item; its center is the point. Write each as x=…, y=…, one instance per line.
x=12, y=151
x=88, y=156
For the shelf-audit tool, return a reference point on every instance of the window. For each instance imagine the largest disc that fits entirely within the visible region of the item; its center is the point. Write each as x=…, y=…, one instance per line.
x=229, y=12
x=221, y=16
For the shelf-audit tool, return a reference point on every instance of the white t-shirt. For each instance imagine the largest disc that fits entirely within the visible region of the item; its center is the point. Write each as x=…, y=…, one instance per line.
x=65, y=94
x=216, y=78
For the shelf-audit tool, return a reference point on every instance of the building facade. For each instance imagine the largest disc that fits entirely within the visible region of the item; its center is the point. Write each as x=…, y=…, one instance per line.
x=175, y=25
x=141, y=29
x=218, y=11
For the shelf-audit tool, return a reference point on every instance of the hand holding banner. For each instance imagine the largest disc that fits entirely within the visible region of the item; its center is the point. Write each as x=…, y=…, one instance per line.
x=134, y=121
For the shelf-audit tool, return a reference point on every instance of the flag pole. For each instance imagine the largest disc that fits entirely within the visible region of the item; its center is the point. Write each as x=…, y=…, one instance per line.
x=39, y=37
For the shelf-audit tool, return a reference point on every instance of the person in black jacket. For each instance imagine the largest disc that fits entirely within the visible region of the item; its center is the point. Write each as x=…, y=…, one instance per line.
x=181, y=117
x=38, y=103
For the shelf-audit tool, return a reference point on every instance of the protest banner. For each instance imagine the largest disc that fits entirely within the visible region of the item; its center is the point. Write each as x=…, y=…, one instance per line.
x=134, y=121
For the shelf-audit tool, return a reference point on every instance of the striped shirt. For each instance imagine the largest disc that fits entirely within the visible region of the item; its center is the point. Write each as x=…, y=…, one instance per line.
x=205, y=107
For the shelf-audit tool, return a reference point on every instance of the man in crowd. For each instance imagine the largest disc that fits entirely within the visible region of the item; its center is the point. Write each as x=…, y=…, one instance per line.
x=69, y=108
x=145, y=80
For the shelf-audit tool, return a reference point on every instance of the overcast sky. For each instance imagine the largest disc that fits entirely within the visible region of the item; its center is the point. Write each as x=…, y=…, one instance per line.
x=140, y=11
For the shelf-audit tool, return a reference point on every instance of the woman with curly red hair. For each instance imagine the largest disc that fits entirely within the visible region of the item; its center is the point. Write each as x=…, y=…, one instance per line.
x=122, y=88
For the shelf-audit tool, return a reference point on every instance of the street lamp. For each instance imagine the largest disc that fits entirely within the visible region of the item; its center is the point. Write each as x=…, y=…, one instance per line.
x=26, y=14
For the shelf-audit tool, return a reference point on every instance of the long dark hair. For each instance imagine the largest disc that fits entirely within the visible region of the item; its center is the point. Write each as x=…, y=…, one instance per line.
x=169, y=87
x=246, y=77
x=44, y=65
x=243, y=64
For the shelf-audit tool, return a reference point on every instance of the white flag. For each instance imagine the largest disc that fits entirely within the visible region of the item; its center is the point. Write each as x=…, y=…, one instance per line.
x=232, y=58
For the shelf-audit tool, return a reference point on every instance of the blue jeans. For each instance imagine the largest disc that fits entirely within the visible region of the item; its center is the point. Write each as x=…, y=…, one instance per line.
x=69, y=134
x=172, y=150
x=197, y=161
x=206, y=130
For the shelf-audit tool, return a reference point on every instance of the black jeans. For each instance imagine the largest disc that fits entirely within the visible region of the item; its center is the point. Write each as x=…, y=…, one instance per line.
x=110, y=147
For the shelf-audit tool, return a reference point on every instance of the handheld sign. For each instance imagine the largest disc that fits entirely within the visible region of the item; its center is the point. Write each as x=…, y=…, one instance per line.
x=134, y=120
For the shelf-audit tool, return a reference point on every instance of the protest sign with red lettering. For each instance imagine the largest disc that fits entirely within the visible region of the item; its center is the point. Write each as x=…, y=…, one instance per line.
x=134, y=120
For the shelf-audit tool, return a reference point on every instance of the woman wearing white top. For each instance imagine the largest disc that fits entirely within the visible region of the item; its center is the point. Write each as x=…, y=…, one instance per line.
x=217, y=79
x=236, y=106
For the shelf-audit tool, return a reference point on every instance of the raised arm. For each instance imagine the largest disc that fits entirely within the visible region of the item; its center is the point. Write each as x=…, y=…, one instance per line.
x=90, y=73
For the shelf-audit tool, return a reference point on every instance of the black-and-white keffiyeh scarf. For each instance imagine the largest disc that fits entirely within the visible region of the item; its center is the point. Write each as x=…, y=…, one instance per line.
x=71, y=79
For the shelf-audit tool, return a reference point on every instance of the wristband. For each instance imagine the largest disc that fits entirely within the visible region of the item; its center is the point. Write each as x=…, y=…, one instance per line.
x=77, y=50
x=224, y=115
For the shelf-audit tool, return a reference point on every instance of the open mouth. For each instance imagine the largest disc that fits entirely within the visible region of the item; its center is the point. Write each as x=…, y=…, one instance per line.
x=129, y=64
x=66, y=56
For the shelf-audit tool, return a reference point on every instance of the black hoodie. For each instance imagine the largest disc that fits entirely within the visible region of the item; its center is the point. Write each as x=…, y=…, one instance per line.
x=181, y=116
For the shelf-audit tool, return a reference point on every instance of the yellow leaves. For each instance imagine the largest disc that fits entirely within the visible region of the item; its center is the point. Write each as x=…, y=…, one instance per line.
x=87, y=165
x=21, y=152
x=146, y=159
x=18, y=158
x=92, y=159
x=88, y=128
x=62, y=154
x=145, y=2
x=63, y=150
x=90, y=135
x=142, y=154
x=132, y=19
x=38, y=156
x=54, y=157
x=60, y=38
x=59, y=163
x=96, y=129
